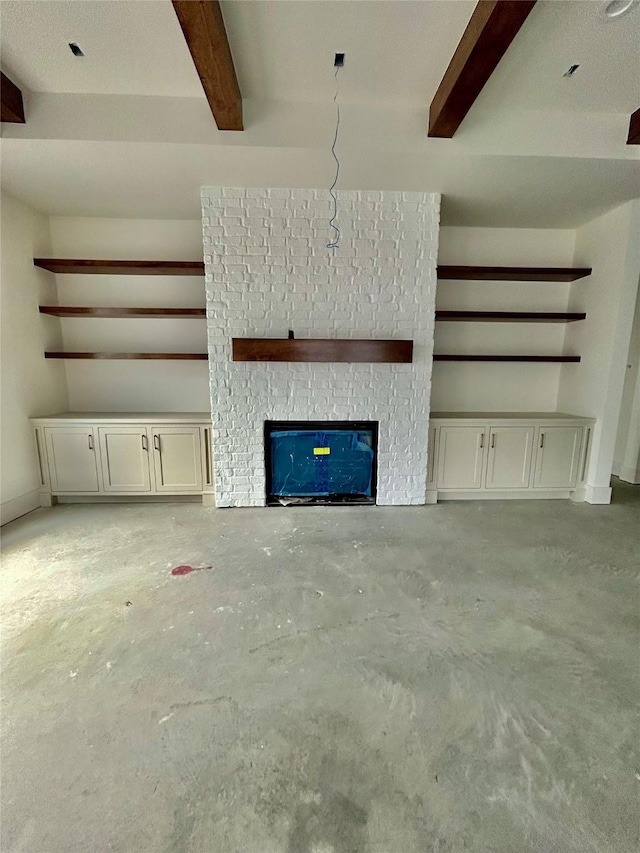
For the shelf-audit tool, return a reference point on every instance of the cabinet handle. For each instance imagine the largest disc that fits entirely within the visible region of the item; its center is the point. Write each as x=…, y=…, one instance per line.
x=156, y=442
x=144, y=441
x=541, y=439
x=481, y=440
x=90, y=437
x=493, y=439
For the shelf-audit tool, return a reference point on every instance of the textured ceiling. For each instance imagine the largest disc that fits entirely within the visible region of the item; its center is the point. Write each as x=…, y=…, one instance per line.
x=132, y=47
x=126, y=130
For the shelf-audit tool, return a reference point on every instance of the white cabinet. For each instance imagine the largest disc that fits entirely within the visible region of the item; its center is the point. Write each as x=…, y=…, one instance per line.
x=509, y=457
x=460, y=457
x=491, y=455
x=71, y=453
x=124, y=454
x=557, y=457
x=177, y=459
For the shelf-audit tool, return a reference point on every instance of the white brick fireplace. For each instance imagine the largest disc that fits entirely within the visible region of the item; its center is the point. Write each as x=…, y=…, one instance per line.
x=267, y=271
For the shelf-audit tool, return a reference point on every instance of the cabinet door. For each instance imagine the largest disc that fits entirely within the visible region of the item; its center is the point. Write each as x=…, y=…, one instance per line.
x=124, y=453
x=509, y=457
x=557, y=457
x=177, y=459
x=73, y=466
x=460, y=457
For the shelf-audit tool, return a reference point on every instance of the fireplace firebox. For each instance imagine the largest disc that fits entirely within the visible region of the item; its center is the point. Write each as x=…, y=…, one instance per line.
x=320, y=462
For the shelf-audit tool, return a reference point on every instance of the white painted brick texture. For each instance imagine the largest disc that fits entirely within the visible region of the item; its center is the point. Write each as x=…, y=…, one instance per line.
x=267, y=271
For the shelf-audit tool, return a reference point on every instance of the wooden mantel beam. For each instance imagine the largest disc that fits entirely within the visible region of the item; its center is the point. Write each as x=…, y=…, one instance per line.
x=634, y=129
x=11, y=102
x=493, y=26
x=203, y=27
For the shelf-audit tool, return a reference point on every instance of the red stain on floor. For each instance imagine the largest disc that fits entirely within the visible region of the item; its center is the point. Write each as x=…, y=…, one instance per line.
x=186, y=570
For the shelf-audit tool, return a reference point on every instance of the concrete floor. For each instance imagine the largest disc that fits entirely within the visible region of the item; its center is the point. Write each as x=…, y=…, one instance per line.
x=343, y=680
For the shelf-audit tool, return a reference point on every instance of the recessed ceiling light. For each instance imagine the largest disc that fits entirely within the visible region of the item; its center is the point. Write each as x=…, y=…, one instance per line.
x=76, y=50
x=616, y=8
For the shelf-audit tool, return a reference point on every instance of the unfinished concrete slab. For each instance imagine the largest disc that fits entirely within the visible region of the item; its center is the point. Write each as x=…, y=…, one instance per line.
x=341, y=680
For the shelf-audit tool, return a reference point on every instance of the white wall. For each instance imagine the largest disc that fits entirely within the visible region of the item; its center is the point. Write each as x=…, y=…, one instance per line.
x=485, y=386
x=272, y=272
x=625, y=459
x=31, y=385
x=629, y=468
x=611, y=246
x=630, y=464
x=128, y=386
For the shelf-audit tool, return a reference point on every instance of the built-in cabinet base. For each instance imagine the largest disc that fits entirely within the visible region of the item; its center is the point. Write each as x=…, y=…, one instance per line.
x=107, y=456
x=597, y=494
x=102, y=457
x=503, y=456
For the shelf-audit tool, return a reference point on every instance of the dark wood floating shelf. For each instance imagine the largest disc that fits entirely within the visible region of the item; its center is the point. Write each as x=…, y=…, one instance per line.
x=164, y=356
x=62, y=311
x=462, y=273
x=509, y=316
x=91, y=267
x=545, y=358
x=318, y=349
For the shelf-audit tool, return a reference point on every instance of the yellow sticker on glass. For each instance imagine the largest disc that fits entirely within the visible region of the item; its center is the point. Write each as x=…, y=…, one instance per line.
x=321, y=451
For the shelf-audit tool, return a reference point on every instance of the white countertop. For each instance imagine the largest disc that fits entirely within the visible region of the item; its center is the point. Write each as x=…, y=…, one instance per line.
x=128, y=417
x=505, y=416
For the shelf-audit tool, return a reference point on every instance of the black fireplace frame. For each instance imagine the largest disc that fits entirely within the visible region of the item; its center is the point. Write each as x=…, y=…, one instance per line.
x=328, y=500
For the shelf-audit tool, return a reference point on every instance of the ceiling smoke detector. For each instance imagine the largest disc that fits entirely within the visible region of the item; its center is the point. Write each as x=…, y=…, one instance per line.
x=617, y=8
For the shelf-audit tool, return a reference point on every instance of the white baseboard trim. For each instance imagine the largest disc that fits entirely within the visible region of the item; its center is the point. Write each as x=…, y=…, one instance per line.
x=629, y=475
x=128, y=499
x=501, y=495
x=19, y=506
x=597, y=494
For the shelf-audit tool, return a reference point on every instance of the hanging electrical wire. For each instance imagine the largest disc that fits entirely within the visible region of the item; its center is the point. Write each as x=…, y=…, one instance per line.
x=336, y=239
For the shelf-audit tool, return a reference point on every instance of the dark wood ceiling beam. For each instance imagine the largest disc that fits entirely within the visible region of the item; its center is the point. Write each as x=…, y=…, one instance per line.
x=11, y=102
x=493, y=26
x=203, y=27
x=634, y=129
